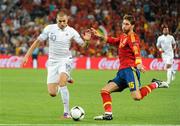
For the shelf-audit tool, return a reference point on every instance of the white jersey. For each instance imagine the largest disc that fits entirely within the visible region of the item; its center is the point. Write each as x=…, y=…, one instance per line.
x=165, y=43
x=59, y=41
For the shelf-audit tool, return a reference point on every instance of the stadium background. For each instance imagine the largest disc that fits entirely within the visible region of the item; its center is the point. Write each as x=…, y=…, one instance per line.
x=23, y=94
x=22, y=21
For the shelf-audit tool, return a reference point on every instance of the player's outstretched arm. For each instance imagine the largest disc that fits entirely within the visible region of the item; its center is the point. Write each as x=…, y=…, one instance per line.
x=29, y=52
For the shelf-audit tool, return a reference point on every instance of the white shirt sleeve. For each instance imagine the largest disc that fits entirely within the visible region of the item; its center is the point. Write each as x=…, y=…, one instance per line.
x=44, y=35
x=77, y=37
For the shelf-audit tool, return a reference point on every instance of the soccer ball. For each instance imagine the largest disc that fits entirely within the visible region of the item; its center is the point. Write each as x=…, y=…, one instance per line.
x=77, y=113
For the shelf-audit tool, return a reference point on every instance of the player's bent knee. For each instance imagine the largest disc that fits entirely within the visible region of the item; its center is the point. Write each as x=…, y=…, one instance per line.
x=137, y=98
x=62, y=84
x=103, y=90
x=52, y=89
x=52, y=94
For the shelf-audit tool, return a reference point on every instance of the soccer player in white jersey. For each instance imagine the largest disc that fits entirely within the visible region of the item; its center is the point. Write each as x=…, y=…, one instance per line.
x=59, y=37
x=166, y=45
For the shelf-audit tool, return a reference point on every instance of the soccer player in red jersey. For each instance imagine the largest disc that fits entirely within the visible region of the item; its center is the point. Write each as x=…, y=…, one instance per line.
x=128, y=75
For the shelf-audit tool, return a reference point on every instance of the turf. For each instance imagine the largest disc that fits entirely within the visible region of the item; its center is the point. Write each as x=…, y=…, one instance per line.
x=24, y=99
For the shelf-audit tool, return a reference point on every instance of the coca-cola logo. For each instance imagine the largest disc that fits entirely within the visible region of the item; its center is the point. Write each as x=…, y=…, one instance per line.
x=11, y=62
x=105, y=63
x=160, y=65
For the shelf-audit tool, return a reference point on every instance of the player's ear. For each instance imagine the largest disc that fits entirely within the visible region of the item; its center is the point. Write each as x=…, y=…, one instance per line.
x=133, y=26
x=68, y=17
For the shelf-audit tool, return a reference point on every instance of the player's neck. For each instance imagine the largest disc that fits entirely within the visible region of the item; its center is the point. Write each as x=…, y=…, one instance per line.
x=130, y=32
x=62, y=28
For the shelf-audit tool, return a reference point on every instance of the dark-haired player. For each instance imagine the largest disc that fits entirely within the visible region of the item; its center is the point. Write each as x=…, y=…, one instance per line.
x=128, y=75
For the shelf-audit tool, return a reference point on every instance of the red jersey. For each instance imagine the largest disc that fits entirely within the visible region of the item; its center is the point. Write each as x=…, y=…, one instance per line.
x=128, y=49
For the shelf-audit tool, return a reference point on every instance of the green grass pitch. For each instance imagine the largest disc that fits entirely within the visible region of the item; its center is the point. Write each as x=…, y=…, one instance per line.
x=24, y=99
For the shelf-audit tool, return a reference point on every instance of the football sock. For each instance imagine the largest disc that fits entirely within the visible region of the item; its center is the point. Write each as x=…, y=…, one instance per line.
x=169, y=75
x=107, y=103
x=147, y=89
x=65, y=98
x=35, y=63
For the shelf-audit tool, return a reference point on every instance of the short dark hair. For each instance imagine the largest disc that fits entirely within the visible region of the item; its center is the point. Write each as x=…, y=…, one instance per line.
x=130, y=18
x=61, y=14
x=164, y=26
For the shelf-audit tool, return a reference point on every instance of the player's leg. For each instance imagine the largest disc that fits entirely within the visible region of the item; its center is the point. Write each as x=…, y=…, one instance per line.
x=112, y=86
x=52, y=89
x=70, y=80
x=64, y=73
x=106, y=97
x=169, y=73
x=138, y=92
x=52, y=80
x=107, y=102
x=132, y=78
x=168, y=60
x=145, y=90
x=173, y=70
x=63, y=90
x=69, y=67
x=173, y=73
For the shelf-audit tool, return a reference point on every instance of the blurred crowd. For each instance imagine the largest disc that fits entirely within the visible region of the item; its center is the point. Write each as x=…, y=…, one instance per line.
x=21, y=21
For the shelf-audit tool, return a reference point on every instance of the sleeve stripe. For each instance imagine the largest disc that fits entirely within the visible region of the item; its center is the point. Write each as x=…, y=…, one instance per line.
x=133, y=38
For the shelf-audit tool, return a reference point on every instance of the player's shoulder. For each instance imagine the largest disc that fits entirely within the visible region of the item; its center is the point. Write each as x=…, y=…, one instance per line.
x=134, y=37
x=69, y=28
x=51, y=26
x=161, y=36
x=170, y=36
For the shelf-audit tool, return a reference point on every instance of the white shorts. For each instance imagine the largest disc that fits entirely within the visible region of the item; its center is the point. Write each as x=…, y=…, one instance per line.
x=56, y=68
x=167, y=59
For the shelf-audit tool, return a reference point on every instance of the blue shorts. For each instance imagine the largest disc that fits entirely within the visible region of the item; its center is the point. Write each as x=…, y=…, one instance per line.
x=128, y=77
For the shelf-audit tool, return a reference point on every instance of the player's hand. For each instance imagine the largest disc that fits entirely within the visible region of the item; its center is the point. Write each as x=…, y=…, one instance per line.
x=87, y=35
x=141, y=67
x=161, y=51
x=24, y=61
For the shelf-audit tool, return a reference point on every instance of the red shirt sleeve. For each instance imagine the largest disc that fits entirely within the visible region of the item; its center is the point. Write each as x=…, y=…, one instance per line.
x=134, y=44
x=113, y=40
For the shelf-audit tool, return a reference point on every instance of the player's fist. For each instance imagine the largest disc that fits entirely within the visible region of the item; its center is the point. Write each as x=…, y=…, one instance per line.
x=160, y=50
x=141, y=67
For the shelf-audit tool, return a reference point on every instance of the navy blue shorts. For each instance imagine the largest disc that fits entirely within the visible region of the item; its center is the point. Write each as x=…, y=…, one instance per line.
x=128, y=77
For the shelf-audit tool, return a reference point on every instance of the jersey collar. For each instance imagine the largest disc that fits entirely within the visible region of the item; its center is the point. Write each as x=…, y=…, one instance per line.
x=63, y=29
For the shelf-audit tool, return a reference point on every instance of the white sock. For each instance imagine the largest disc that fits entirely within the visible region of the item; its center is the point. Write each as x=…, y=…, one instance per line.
x=173, y=70
x=169, y=75
x=65, y=98
x=173, y=73
x=35, y=64
x=109, y=113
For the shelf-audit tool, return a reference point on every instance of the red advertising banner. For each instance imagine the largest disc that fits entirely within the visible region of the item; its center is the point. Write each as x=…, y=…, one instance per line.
x=84, y=63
